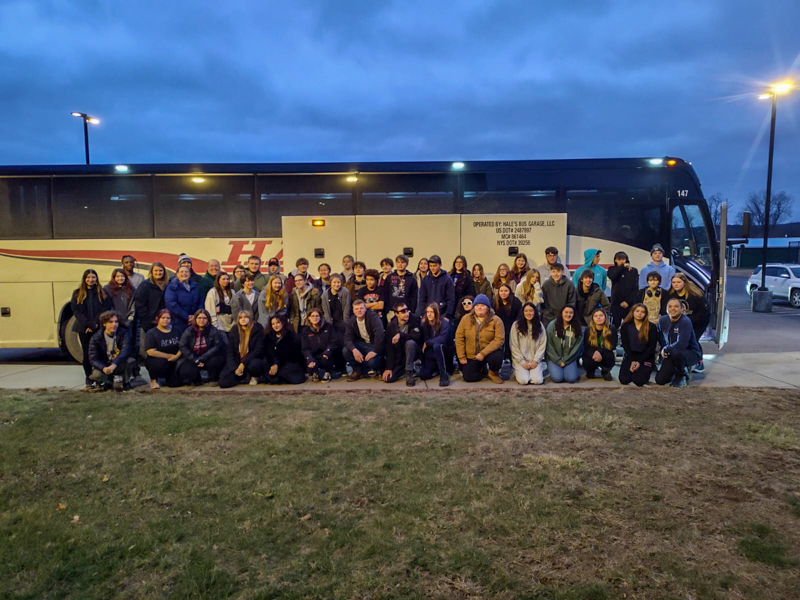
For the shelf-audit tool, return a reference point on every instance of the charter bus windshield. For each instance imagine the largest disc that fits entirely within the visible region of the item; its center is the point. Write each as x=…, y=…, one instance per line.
x=57, y=221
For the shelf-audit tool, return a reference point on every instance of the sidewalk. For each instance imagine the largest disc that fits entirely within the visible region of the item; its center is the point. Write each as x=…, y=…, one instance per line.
x=774, y=370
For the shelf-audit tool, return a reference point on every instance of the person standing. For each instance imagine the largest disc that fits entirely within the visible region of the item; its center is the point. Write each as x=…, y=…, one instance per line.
x=503, y=276
x=324, y=281
x=599, y=345
x=364, y=342
x=148, y=301
x=695, y=307
x=589, y=296
x=218, y=303
x=482, y=285
x=207, y=281
x=591, y=263
x=245, y=360
x=679, y=347
x=462, y=280
x=403, y=344
x=401, y=286
x=357, y=279
x=184, y=260
x=528, y=341
x=304, y=297
x=347, y=267
x=520, y=268
x=274, y=269
x=260, y=280
x=557, y=293
x=274, y=300
x=530, y=289
x=387, y=264
x=423, y=270
x=508, y=308
x=88, y=302
x=654, y=297
x=202, y=349
x=550, y=258
x=624, y=287
x=162, y=348
x=121, y=292
x=479, y=342
x=657, y=265
x=639, y=340
x=336, y=304
x=285, y=362
x=437, y=287
x=564, y=344
x=302, y=269
x=109, y=353
x=182, y=299
x=129, y=266
x=245, y=299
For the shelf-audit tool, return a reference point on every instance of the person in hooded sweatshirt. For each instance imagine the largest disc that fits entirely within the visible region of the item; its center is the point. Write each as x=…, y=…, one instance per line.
x=88, y=302
x=479, y=342
x=557, y=293
x=401, y=285
x=110, y=354
x=301, y=268
x=121, y=292
x=590, y=297
x=550, y=258
x=273, y=300
x=285, y=363
x=528, y=341
x=274, y=270
x=437, y=287
x=437, y=346
x=592, y=263
x=679, y=347
x=403, y=344
x=321, y=346
x=303, y=298
x=182, y=299
x=658, y=265
x=624, y=287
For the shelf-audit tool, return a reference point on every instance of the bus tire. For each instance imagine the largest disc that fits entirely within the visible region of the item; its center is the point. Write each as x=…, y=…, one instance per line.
x=71, y=340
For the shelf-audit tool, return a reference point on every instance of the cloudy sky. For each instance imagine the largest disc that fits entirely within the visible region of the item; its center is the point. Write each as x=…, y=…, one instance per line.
x=330, y=80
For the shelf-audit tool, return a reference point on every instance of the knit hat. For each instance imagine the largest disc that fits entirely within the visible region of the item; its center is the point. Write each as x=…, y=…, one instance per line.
x=481, y=299
x=435, y=259
x=184, y=258
x=658, y=247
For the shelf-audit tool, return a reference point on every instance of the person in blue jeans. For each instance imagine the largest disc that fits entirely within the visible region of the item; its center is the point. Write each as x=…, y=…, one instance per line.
x=564, y=346
x=364, y=342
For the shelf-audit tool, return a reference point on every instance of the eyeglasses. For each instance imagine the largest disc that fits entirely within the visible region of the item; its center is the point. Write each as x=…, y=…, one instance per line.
x=402, y=310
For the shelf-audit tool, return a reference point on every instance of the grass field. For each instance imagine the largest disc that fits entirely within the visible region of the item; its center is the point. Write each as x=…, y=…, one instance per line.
x=574, y=494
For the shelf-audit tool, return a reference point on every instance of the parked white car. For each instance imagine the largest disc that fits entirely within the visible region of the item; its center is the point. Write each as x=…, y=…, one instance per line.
x=782, y=280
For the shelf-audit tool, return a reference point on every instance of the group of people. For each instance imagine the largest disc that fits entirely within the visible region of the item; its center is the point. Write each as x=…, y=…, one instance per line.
x=251, y=327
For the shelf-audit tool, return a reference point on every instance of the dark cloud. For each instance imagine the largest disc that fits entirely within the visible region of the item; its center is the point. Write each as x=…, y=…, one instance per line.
x=360, y=80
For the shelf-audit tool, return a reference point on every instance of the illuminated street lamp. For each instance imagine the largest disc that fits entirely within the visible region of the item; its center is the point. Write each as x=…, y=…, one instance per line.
x=86, y=120
x=762, y=298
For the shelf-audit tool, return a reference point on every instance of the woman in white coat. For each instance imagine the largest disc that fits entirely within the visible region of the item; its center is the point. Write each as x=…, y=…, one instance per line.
x=528, y=345
x=218, y=302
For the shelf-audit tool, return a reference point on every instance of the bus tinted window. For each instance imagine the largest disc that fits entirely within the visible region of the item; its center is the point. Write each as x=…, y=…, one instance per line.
x=298, y=195
x=119, y=207
x=623, y=206
x=407, y=194
x=24, y=208
x=511, y=192
x=204, y=206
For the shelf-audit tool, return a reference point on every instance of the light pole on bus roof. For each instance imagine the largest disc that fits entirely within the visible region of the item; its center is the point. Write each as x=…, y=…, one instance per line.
x=86, y=120
x=762, y=298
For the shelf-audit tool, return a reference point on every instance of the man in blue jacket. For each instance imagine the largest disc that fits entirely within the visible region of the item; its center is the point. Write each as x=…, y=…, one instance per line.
x=679, y=347
x=437, y=287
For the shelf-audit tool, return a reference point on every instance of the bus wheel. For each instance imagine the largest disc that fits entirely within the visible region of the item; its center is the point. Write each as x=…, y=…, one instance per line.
x=71, y=341
x=794, y=298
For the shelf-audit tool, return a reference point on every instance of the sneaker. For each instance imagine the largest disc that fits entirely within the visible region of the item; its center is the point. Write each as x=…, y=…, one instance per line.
x=410, y=379
x=444, y=379
x=154, y=385
x=91, y=386
x=315, y=376
x=680, y=382
x=699, y=367
x=117, y=383
x=372, y=373
x=607, y=375
x=495, y=377
x=326, y=376
x=591, y=374
x=354, y=376
x=253, y=381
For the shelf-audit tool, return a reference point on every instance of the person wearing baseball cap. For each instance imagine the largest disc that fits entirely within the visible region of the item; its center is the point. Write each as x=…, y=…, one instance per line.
x=274, y=270
x=658, y=265
x=479, y=342
x=437, y=287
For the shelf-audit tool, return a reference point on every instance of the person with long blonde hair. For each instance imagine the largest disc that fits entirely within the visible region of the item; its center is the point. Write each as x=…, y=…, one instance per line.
x=273, y=300
x=599, y=345
x=530, y=288
x=245, y=360
x=639, y=340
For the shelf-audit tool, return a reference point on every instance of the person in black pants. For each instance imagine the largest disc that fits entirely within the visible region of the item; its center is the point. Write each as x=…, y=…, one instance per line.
x=695, y=307
x=162, y=347
x=110, y=353
x=639, y=340
x=321, y=346
x=624, y=288
x=87, y=303
x=245, y=352
x=679, y=347
x=599, y=347
x=148, y=301
x=364, y=342
x=202, y=348
x=403, y=343
x=508, y=307
x=285, y=362
x=437, y=348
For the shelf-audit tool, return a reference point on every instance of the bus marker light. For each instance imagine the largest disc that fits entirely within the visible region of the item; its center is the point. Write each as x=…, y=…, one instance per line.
x=121, y=168
x=672, y=163
x=656, y=161
x=198, y=180
x=318, y=223
x=352, y=179
x=458, y=166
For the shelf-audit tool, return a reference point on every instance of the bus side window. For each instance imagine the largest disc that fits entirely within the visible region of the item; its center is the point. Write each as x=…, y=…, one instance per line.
x=25, y=208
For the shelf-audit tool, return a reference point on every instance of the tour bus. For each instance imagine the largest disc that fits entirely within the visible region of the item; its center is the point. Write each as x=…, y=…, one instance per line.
x=57, y=221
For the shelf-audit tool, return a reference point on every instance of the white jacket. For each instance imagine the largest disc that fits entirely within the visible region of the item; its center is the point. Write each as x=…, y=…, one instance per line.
x=220, y=321
x=523, y=347
x=537, y=294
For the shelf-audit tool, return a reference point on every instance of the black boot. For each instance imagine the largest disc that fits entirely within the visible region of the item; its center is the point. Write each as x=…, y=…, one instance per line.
x=410, y=379
x=444, y=379
x=607, y=374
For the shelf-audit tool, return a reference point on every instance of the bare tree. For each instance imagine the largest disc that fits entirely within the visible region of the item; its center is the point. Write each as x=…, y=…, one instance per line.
x=780, y=208
x=715, y=208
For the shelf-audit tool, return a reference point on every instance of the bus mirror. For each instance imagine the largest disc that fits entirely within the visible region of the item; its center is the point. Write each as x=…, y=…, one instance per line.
x=513, y=251
x=409, y=252
x=745, y=224
x=319, y=252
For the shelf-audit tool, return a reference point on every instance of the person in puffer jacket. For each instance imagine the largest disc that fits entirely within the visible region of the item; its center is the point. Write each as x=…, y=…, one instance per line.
x=528, y=345
x=182, y=299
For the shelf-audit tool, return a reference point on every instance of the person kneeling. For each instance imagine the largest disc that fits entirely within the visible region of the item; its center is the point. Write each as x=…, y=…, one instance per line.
x=639, y=340
x=600, y=345
x=110, y=354
x=679, y=347
x=363, y=342
x=479, y=342
x=437, y=349
x=403, y=341
x=245, y=352
x=564, y=343
x=285, y=362
x=202, y=348
x=528, y=345
x=320, y=346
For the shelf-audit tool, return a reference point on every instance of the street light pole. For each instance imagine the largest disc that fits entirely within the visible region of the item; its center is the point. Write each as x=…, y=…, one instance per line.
x=769, y=194
x=86, y=120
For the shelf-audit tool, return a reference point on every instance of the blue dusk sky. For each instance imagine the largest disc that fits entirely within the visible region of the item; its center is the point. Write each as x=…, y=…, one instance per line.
x=374, y=80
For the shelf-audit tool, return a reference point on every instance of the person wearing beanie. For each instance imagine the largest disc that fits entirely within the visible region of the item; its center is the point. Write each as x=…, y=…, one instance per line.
x=658, y=265
x=186, y=260
x=437, y=287
x=479, y=342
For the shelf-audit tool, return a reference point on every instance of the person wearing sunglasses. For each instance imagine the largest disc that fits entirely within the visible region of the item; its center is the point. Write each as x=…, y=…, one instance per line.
x=403, y=344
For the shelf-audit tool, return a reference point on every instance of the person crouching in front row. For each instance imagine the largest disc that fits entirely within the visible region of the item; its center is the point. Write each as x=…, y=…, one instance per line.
x=479, y=342
x=363, y=342
x=110, y=354
x=564, y=344
x=679, y=347
x=245, y=352
x=403, y=343
x=285, y=362
x=202, y=348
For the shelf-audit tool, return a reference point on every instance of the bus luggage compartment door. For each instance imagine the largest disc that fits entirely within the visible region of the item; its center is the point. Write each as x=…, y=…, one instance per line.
x=29, y=323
